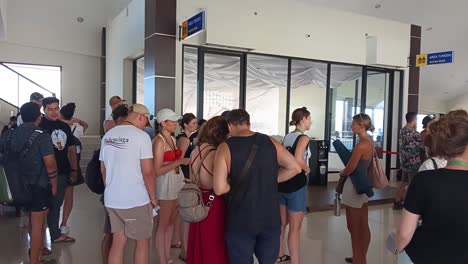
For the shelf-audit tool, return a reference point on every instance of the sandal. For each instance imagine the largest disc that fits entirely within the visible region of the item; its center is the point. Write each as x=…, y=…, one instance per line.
x=178, y=245
x=65, y=239
x=283, y=259
x=349, y=260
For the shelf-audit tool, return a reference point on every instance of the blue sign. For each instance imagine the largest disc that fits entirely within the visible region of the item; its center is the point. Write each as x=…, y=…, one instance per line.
x=194, y=25
x=440, y=57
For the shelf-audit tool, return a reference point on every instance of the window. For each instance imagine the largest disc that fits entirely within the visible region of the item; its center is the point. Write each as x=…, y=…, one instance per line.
x=308, y=89
x=139, y=75
x=189, y=96
x=266, y=93
x=20, y=80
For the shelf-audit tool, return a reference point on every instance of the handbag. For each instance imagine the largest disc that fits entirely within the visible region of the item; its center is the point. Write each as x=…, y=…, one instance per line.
x=5, y=192
x=376, y=173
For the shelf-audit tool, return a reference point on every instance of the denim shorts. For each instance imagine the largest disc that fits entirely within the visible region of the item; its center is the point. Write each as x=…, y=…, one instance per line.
x=295, y=201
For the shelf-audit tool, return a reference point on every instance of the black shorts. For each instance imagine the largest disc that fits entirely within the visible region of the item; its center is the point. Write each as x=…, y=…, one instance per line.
x=41, y=199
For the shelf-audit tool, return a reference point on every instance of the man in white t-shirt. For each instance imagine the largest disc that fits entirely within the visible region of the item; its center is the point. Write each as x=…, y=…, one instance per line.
x=129, y=197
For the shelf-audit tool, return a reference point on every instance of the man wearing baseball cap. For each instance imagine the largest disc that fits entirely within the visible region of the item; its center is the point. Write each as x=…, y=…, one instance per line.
x=34, y=98
x=114, y=102
x=129, y=197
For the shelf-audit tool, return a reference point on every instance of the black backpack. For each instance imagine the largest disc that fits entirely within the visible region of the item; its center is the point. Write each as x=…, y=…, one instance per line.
x=18, y=170
x=94, y=175
x=298, y=181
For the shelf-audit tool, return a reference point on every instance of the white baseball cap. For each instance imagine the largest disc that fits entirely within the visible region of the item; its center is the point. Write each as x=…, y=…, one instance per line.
x=167, y=114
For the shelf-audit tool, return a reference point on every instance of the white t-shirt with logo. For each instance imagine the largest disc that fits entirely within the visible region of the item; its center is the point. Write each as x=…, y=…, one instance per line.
x=122, y=149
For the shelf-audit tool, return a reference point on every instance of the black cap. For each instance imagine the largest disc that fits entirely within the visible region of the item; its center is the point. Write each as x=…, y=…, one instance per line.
x=29, y=112
x=36, y=96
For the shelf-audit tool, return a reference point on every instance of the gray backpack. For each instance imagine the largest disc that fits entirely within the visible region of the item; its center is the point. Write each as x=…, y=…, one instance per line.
x=192, y=209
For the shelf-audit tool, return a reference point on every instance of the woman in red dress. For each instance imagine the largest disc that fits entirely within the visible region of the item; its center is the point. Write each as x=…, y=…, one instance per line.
x=207, y=243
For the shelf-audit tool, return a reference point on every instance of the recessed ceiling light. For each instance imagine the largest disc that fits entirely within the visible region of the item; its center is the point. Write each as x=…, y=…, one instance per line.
x=446, y=93
x=80, y=19
x=429, y=29
x=377, y=6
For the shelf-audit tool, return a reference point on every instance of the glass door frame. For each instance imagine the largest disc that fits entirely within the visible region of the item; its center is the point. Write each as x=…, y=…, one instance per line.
x=202, y=51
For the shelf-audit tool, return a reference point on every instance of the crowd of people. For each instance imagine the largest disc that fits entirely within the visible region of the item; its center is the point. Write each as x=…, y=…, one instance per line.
x=253, y=186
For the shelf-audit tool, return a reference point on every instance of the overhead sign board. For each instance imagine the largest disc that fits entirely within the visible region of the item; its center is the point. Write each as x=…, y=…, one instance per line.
x=193, y=25
x=434, y=58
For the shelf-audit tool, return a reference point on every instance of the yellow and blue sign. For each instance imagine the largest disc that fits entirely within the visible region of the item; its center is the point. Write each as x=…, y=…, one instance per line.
x=434, y=58
x=193, y=25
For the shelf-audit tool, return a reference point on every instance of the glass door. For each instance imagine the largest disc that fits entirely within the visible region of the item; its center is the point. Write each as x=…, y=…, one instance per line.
x=220, y=81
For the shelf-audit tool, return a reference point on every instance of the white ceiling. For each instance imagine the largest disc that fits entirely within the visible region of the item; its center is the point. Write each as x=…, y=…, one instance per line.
x=449, y=32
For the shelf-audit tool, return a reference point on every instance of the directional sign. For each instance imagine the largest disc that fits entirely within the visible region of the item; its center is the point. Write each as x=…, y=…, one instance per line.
x=193, y=25
x=434, y=58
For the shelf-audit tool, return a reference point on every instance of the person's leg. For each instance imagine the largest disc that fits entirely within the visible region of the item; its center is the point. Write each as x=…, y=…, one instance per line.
x=176, y=241
x=365, y=230
x=165, y=214
x=116, y=254
x=67, y=205
x=267, y=245
x=353, y=219
x=141, y=251
x=107, y=239
x=284, y=223
x=37, y=231
x=170, y=228
x=184, y=232
x=241, y=247
x=54, y=213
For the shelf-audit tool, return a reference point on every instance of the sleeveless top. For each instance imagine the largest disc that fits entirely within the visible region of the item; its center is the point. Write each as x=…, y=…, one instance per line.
x=253, y=204
x=300, y=180
x=169, y=184
x=185, y=168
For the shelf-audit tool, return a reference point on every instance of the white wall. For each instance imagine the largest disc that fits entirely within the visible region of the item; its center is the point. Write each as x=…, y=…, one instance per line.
x=431, y=104
x=280, y=28
x=459, y=103
x=125, y=42
x=80, y=77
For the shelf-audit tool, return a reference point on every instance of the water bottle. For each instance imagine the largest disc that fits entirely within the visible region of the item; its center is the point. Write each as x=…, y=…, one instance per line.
x=337, y=205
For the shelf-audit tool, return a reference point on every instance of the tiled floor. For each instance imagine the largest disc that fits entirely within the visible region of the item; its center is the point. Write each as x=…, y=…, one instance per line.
x=324, y=237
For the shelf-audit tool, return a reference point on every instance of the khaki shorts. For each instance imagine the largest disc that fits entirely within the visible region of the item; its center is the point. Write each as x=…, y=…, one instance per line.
x=407, y=176
x=137, y=222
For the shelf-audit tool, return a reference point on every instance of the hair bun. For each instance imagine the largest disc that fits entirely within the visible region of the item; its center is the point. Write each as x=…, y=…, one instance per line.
x=371, y=127
x=292, y=123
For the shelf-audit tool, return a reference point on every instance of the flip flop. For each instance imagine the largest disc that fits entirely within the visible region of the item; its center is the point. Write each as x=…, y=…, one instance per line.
x=67, y=239
x=284, y=258
x=176, y=245
x=349, y=260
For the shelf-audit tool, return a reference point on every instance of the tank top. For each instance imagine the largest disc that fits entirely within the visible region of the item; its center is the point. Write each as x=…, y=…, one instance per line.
x=185, y=168
x=253, y=205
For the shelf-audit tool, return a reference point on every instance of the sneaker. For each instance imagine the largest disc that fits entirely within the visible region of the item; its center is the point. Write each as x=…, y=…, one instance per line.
x=64, y=230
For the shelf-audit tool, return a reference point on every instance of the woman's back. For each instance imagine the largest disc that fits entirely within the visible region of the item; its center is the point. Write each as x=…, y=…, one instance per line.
x=439, y=197
x=201, y=166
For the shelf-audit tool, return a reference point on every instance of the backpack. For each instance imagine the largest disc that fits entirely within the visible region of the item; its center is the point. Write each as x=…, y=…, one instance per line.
x=93, y=174
x=298, y=181
x=192, y=209
x=16, y=168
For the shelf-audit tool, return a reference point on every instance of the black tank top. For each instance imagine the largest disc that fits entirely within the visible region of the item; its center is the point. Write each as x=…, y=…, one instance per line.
x=253, y=205
x=185, y=168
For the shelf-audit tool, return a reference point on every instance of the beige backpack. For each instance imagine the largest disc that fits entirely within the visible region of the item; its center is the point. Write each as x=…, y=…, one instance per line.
x=192, y=209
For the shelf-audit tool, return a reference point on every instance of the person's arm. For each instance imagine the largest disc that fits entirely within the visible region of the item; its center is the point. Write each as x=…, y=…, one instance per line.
x=408, y=224
x=81, y=122
x=288, y=165
x=147, y=169
x=353, y=161
x=51, y=168
x=299, y=154
x=221, y=170
x=161, y=167
x=183, y=143
x=103, y=172
x=108, y=125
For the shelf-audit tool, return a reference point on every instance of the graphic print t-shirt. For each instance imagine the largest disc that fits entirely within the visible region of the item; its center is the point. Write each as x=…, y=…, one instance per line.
x=122, y=149
x=62, y=139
